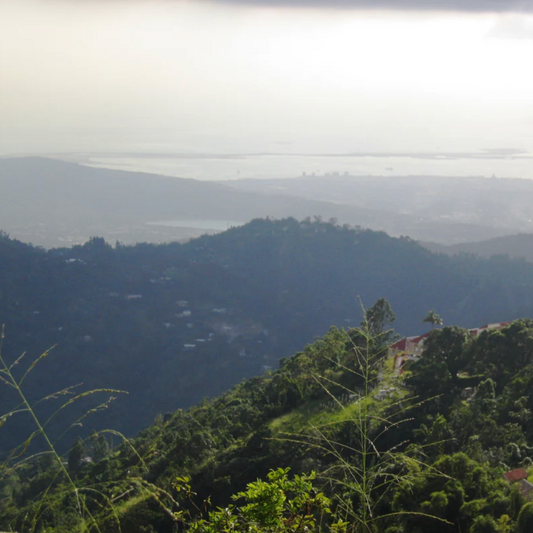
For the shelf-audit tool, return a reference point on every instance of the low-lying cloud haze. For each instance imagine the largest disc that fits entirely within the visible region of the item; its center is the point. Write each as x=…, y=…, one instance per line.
x=237, y=76
x=473, y=6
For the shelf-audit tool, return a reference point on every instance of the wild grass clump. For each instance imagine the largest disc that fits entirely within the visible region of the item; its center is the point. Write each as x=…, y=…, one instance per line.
x=61, y=498
x=363, y=468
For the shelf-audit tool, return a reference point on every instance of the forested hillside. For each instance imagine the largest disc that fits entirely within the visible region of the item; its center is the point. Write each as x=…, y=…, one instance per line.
x=428, y=455
x=173, y=324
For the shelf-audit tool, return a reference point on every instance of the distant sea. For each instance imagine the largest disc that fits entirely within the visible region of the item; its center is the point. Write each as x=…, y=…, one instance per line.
x=497, y=163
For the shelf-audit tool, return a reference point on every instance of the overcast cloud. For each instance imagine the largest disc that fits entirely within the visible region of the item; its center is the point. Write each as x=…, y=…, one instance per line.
x=473, y=6
x=225, y=76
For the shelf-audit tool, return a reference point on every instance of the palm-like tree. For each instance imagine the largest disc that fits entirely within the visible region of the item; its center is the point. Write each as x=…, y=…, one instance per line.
x=433, y=319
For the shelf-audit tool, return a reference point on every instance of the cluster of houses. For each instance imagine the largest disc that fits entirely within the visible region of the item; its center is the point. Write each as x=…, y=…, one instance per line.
x=411, y=348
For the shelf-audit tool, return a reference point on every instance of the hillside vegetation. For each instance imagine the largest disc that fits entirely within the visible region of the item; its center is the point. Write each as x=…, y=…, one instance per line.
x=427, y=457
x=173, y=324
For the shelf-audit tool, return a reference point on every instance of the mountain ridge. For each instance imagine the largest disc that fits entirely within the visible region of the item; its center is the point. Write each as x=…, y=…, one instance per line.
x=175, y=323
x=516, y=246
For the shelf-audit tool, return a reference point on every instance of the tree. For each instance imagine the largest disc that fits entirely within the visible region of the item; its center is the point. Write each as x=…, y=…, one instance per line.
x=99, y=447
x=525, y=518
x=484, y=524
x=501, y=353
x=279, y=505
x=433, y=318
x=378, y=320
x=76, y=455
x=448, y=346
x=428, y=378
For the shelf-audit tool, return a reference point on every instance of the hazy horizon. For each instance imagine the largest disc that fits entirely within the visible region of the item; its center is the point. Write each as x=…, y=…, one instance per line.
x=260, y=166
x=252, y=76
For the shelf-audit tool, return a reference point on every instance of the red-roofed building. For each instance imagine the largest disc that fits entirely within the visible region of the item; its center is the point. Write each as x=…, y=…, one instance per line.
x=515, y=475
x=399, y=345
x=411, y=348
x=520, y=478
x=407, y=349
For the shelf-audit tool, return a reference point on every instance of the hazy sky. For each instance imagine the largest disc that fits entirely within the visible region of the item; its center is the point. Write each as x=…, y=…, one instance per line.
x=265, y=75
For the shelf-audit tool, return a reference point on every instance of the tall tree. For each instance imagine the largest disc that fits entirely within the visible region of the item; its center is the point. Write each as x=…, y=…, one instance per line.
x=525, y=518
x=99, y=447
x=448, y=345
x=433, y=318
x=76, y=455
x=378, y=321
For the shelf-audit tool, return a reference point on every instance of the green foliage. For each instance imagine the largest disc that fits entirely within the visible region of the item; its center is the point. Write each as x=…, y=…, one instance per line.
x=433, y=318
x=500, y=354
x=378, y=320
x=76, y=456
x=385, y=463
x=278, y=505
x=525, y=518
x=42, y=491
x=456, y=489
x=366, y=460
x=447, y=345
x=429, y=378
x=100, y=448
x=281, y=283
x=484, y=524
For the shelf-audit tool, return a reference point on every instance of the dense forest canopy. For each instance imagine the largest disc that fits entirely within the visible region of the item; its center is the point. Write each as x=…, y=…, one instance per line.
x=172, y=324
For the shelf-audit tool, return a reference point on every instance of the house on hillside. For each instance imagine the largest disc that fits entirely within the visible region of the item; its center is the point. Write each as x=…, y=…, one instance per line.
x=515, y=475
x=411, y=348
x=519, y=476
x=406, y=349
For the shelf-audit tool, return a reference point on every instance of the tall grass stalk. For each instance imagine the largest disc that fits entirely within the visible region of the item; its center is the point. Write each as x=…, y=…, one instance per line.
x=364, y=474
x=17, y=457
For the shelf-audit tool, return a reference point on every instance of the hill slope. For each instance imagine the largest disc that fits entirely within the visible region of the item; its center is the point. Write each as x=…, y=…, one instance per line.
x=174, y=323
x=519, y=246
x=416, y=454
